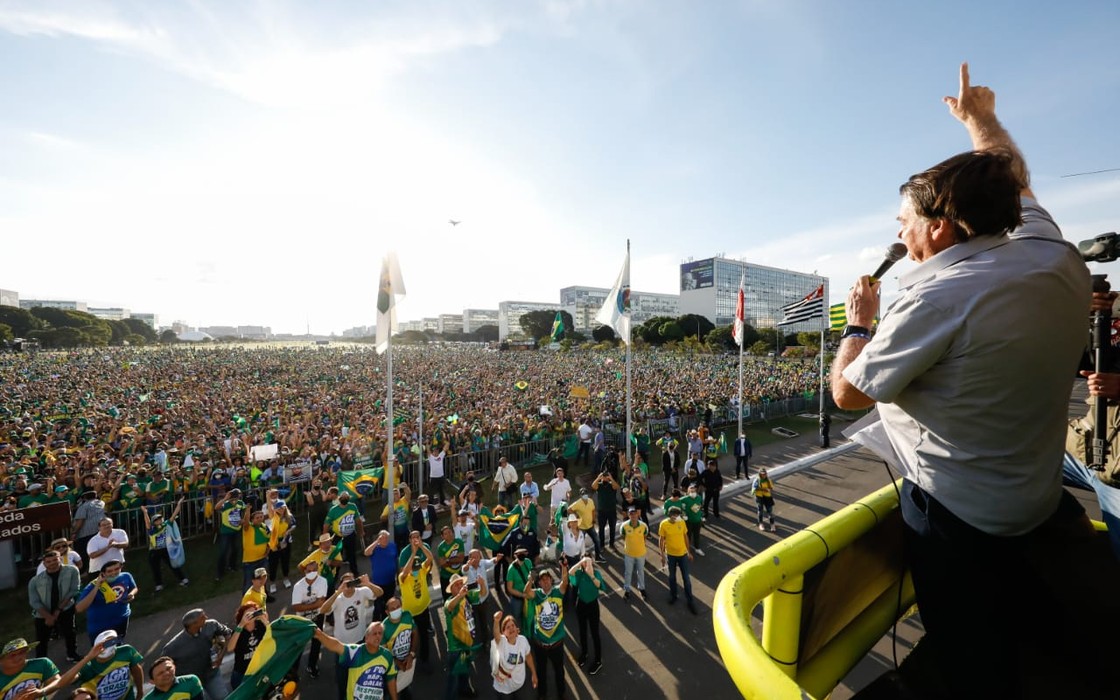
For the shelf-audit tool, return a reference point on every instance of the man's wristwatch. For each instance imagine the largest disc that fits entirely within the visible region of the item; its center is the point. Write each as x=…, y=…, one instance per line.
x=855, y=332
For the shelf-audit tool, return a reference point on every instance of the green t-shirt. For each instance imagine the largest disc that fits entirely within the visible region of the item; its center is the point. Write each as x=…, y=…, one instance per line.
x=548, y=615
x=157, y=491
x=184, y=688
x=693, y=508
x=462, y=634
x=518, y=574
x=397, y=638
x=112, y=678
x=588, y=587
x=670, y=502
x=367, y=673
x=343, y=520
x=446, y=550
x=230, y=515
x=34, y=675
x=32, y=500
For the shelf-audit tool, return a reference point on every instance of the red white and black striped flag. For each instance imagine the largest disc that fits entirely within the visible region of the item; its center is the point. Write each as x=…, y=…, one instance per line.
x=812, y=306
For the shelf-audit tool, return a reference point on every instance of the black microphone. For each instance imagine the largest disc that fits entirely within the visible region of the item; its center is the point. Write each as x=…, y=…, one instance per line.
x=896, y=252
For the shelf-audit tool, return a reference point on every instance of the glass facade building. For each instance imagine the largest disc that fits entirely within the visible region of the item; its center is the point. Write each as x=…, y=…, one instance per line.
x=710, y=288
x=584, y=303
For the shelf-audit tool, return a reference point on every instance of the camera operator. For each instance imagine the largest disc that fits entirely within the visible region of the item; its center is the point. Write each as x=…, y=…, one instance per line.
x=1106, y=483
x=975, y=406
x=606, y=488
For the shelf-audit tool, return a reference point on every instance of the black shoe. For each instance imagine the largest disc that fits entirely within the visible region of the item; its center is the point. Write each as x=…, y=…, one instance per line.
x=645, y=596
x=692, y=607
x=626, y=595
x=313, y=672
x=672, y=599
x=598, y=666
x=581, y=661
x=270, y=599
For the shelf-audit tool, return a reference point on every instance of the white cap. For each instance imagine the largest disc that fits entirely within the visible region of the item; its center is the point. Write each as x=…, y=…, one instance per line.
x=104, y=638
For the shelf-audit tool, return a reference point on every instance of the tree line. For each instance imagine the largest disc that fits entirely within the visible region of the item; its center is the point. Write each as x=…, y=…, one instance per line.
x=66, y=328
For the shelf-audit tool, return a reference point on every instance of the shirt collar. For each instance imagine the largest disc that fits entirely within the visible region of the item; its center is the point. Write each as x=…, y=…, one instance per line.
x=949, y=257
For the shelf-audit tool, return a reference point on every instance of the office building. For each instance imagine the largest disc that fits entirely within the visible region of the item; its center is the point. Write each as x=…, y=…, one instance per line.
x=584, y=303
x=473, y=319
x=510, y=313
x=150, y=319
x=53, y=304
x=9, y=298
x=110, y=313
x=451, y=323
x=710, y=288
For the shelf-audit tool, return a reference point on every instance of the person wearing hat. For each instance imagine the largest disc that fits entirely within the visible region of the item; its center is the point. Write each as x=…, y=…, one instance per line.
x=107, y=600
x=257, y=593
x=18, y=673
x=366, y=668
x=672, y=540
x=281, y=524
x=463, y=638
x=634, y=533
x=65, y=552
x=762, y=488
x=575, y=540
x=159, y=536
x=546, y=602
x=35, y=497
x=52, y=595
x=231, y=513
x=197, y=650
x=328, y=556
x=114, y=672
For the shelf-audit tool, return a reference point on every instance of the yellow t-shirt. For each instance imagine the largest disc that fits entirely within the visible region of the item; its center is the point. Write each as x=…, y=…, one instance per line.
x=254, y=543
x=585, y=509
x=634, y=539
x=675, y=536
x=252, y=596
x=416, y=595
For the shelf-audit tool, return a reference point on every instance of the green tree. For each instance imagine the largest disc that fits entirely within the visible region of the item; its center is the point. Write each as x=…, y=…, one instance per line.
x=6, y=334
x=604, y=333
x=695, y=324
x=120, y=332
x=768, y=336
x=97, y=334
x=670, y=331
x=538, y=324
x=168, y=337
x=487, y=333
x=650, y=331
x=21, y=321
x=760, y=348
x=809, y=339
x=65, y=337
x=141, y=328
x=721, y=340
x=135, y=340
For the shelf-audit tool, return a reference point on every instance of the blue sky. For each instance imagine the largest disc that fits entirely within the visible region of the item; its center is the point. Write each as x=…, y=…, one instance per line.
x=251, y=162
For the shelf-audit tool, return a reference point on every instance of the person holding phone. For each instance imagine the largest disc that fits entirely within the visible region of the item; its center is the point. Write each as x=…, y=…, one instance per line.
x=252, y=621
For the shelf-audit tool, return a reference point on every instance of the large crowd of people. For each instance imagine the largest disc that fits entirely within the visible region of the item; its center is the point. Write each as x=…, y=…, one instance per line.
x=134, y=435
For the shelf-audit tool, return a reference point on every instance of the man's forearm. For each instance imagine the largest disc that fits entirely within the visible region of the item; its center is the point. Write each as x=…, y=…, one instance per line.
x=844, y=393
x=987, y=134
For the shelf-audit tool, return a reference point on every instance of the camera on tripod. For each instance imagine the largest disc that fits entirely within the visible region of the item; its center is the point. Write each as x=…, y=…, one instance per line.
x=1103, y=248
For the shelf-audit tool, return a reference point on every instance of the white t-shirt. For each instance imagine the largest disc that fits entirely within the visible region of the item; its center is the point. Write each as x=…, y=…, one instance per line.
x=559, y=488
x=435, y=465
x=466, y=534
x=303, y=592
x=351, y=615
x=507, y=663
x=574, y=545
x=98, y=543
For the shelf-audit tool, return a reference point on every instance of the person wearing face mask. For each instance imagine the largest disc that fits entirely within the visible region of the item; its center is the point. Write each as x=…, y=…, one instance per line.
x=308, y=595
x=672, y=540
x=400, y=639
x=692, y=512
x=584, y=507
x=114, y=672
x=108, y=601
x=525, y=537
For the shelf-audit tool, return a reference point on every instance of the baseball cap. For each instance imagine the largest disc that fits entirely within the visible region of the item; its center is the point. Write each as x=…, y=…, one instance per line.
x=632, y=509
x=280, y=503
x=109, y=639
x=259, y=572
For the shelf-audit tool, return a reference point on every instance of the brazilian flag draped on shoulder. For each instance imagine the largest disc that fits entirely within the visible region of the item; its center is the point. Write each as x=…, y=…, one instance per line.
x=361, y=483
x=283, y=642
x=494, y=530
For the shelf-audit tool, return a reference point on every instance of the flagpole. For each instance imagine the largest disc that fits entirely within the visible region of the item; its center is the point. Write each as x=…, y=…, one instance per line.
x=390, y=473
x=742, y=336
x=420, y=461
x=822, y=370
x=629, y=432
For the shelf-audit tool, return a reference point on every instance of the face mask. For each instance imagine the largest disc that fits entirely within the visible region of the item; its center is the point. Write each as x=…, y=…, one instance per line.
x=395, y=615
x=312, y=575
x=585, y=497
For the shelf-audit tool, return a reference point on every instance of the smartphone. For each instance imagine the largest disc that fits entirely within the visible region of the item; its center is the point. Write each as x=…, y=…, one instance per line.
x=257, y=613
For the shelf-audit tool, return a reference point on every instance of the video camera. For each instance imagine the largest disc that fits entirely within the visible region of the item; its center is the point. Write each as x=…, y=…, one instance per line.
x=1103, y=248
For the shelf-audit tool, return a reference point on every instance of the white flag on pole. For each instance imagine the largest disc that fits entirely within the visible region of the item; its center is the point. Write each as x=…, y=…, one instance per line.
x=740, y=313
x=390, y=287
x=616, y=308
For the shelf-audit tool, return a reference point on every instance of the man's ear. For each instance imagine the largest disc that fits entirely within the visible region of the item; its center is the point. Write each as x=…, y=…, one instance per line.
x=944, y=234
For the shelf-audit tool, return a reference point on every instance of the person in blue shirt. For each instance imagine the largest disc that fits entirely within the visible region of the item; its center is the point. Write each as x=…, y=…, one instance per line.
x=106, y=601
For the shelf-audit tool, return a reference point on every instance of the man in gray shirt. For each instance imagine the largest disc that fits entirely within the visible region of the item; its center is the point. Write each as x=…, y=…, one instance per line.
x=198, y=649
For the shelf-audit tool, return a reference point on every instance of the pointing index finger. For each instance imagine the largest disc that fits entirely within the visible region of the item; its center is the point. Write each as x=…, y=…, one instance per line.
x=964, y=79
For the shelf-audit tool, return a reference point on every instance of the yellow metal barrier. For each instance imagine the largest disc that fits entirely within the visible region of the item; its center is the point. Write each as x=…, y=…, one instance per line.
x=808, y=647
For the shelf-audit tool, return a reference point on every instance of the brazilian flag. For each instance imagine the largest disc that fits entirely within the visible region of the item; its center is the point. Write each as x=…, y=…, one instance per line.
x=361, y=483
x=494, y=530
x=557, y=327
x=283, y=642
